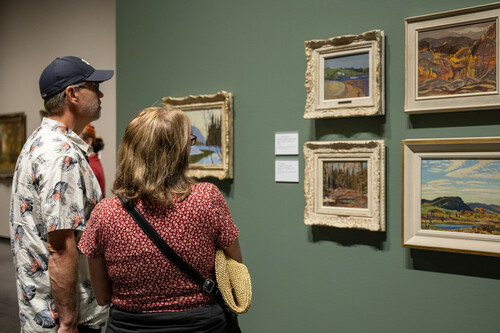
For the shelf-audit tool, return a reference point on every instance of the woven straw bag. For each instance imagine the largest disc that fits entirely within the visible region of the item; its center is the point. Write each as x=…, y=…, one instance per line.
x=234, y=283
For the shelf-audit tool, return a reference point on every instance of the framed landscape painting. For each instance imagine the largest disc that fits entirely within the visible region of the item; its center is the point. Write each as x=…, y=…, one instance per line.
x=451, y=195
x=344, y=184
x=345, y=76
x=211, y=118
x=12, y=138
x=451, y=60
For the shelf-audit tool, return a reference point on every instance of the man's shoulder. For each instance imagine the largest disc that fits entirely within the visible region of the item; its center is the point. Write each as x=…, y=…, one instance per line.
x=51, y=142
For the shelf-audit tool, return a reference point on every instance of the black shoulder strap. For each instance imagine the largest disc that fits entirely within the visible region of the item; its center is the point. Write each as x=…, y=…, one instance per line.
x=207, y=284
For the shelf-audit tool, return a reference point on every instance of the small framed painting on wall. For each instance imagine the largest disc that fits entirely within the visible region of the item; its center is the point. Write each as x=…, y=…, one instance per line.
x=344, y=184
x=211, y=118
x=345, y=76
x=451, y=60
x=451, y=195
x=12, y=138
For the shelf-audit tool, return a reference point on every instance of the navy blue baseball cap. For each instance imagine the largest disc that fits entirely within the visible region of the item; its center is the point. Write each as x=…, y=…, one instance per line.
x=67, y=71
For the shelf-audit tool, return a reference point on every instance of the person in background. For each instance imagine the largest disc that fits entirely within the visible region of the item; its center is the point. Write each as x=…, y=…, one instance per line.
x=53, y=193
x=147, y=291
x=96, y=145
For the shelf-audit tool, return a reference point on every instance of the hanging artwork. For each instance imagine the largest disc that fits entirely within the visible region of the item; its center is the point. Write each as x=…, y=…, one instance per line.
x=451, y=195
x=211, y=118
x=345, y=76
x=12, y=138
x=344, y=184
x=451, y=60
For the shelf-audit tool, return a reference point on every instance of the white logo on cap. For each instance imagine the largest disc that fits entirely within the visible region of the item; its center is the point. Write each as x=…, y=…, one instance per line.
x=85, y=61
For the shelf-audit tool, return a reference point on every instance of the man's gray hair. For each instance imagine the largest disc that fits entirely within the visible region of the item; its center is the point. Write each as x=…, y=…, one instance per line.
x=55, y=104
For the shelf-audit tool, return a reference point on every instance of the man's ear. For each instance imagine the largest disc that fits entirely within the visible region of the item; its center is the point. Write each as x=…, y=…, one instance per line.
x=71, y=94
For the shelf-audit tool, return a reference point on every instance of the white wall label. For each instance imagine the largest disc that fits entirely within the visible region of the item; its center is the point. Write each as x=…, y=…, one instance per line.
x=287, y=171
x=286, y=143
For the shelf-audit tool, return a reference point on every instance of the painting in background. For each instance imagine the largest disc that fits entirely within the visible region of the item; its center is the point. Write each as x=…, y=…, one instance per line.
x=12, y=138
x=345, y=184
x=211, y=118
x=347, y=76
x=457, y=60
x=461, y=195
x=206, y=125
x=451, y=60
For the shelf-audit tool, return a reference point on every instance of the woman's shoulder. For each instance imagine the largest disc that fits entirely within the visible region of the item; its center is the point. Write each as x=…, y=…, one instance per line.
x=107, y=205
x=203, y=188
x=207, y=190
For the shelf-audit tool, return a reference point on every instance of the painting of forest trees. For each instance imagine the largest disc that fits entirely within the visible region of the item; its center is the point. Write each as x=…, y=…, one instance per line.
x=457, y=60
x=461, y=195
x=345, y=184
x=206, y=125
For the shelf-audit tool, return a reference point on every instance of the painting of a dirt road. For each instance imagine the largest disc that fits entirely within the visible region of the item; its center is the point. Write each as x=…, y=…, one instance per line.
x=345, y=184
x=457, y=60
x=346, y=77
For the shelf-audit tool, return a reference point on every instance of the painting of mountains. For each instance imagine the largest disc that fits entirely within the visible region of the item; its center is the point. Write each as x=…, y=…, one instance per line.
x=461, y=195
x=457, y=60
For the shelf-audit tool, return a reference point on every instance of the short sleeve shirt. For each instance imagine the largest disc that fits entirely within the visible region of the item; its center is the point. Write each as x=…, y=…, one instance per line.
x=142, y=279
x=53, y=189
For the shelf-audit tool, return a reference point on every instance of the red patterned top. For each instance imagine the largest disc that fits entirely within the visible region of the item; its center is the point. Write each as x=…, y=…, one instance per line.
x=143, y=280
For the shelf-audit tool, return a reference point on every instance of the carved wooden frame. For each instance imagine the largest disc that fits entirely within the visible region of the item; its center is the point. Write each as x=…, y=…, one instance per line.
x=316, y=153
x=13, y=135
x=224, y=101
x=371, y=42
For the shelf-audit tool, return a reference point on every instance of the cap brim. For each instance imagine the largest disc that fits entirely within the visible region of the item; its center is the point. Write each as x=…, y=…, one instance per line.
x=100, y=75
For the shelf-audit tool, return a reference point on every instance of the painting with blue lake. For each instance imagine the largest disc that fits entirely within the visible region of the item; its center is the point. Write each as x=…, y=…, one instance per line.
x=347, y=76
x=461, y=195
x=207, y=126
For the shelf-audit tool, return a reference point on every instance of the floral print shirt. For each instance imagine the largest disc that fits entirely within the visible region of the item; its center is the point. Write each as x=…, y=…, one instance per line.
x=53, y=188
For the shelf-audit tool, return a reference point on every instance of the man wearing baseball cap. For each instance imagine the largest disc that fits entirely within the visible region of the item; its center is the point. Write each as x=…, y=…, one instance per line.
x=53, y=193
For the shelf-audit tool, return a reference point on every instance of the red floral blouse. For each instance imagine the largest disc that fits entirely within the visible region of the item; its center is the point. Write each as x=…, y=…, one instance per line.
x=142, y=279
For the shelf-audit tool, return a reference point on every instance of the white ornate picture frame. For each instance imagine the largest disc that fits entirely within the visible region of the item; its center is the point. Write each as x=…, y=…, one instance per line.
x=345, y=76
x=451, y=189
x=211, y=119
x=344, y=184
x=451, y=60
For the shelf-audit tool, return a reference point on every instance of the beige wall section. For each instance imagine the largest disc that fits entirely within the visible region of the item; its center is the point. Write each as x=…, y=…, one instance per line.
x=32, y=34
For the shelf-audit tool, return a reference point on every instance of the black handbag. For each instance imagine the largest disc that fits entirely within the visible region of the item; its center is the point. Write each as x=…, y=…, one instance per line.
x=208, y=285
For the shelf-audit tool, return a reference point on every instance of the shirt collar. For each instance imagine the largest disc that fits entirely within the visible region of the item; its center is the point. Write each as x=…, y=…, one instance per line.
x=64, y=130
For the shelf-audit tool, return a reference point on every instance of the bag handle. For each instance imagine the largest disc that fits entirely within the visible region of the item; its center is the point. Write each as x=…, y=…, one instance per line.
x=208, y=285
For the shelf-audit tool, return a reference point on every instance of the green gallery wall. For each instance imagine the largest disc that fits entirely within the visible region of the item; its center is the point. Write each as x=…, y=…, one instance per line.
x=308, y=279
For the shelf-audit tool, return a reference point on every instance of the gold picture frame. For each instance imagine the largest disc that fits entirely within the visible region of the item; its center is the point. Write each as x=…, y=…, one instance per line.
x=211, y=119
x=12, y=138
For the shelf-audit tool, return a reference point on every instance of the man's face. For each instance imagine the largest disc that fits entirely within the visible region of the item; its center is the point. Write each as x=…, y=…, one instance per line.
x=91, y=103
